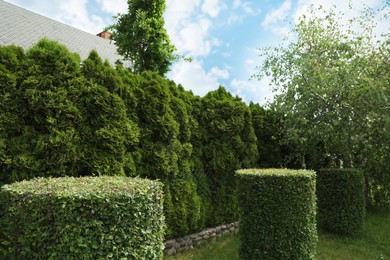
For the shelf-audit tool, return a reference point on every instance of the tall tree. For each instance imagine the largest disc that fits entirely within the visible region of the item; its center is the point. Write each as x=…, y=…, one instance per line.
x=141, y=38
x=334, y=86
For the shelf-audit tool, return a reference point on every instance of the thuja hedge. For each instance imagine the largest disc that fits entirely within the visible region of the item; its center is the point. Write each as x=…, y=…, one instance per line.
x=228, y=143
x=82, y=218
x=278, y=214
x=341, y=202
x=61, y=116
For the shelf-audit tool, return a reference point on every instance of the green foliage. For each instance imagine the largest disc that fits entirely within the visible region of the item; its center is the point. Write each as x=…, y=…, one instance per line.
x=62, y=117
x=166, y=151
x=182, y=207
x=267, y=125
x=341, y=204
x=377, y=174
x=333, y=84
x=228, y=143
x=59, y=123
x=278, y=219
x=43, y=140
x=11, y=58
x=82, y=218
x=141, y=38
x=94, y=69
x=107, y=134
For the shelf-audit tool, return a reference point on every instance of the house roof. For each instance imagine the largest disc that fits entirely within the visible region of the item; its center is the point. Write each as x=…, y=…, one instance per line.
x=24, y=28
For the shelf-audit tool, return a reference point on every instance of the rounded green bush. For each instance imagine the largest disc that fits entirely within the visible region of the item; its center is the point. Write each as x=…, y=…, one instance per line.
x=341, y=202
x=278, y=214
x=82, y=218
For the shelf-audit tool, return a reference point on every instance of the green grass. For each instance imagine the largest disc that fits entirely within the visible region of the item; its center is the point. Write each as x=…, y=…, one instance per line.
x=374, y=243
x=225, y=248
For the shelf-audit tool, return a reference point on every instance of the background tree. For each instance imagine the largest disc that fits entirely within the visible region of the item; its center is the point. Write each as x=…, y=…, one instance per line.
x=141, y=38
x=334, y=89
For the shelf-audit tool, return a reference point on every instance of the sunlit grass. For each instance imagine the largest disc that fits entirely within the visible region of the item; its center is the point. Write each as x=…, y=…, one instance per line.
x=374, y=243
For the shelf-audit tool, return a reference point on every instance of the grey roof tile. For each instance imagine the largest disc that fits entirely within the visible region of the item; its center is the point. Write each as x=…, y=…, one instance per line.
x=24, y=28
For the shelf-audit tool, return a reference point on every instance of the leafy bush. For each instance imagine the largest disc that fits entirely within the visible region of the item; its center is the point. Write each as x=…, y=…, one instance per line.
x=341, y=204
x=278, y=218
x=82, y=218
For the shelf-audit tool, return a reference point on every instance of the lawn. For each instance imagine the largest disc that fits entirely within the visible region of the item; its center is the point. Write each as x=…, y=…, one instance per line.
x=374, y=243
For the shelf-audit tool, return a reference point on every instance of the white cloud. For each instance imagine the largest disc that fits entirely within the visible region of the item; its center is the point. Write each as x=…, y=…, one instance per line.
x=179, y=12
x=188, y=25
x=242, y=10
x=276, y=15
x=249, y=10
x=255, y=91
x=113, y=6
x=216, y=72
x=74, y=13
x=234, y=18
x=246, y=7
x=249, y=61
x=193, y=39
x=194, y=77
x=236, y=3
x=212, y=7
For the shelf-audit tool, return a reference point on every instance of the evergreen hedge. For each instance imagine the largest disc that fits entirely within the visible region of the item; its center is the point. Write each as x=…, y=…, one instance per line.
x=278, y=218
x=228, y=143
x=82, y=218
x=60, y=116
x=341, y=202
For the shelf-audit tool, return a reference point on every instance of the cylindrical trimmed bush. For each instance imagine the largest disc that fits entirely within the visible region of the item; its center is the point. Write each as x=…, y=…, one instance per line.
x=341, y=202
x=82, y=218
x=278, y=214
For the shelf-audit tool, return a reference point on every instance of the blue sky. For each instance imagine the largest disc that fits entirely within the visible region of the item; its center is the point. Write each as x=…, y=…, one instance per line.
x=222, y=36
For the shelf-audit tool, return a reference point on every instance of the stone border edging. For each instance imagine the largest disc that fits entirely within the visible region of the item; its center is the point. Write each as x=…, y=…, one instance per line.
x=173, y=246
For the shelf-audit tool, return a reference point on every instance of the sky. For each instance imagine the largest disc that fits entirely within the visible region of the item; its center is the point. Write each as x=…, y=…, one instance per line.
x=222, y=36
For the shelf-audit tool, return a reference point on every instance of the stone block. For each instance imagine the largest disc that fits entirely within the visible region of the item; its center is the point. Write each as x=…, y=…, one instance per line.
x=170, y=251
x=169, y=244
x=197, y=239
x=218, y=230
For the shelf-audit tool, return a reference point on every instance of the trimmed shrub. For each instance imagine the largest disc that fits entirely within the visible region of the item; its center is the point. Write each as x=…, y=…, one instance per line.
x=278, y=214
x=341, y=203
x=82, y=218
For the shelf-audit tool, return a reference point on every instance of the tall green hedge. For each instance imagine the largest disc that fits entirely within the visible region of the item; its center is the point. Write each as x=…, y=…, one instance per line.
x=341, y=202
x=82, y=218
x=60, y=116
x=59, y=122
x=227, y=143
x=165, y=151
x=278, y=214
